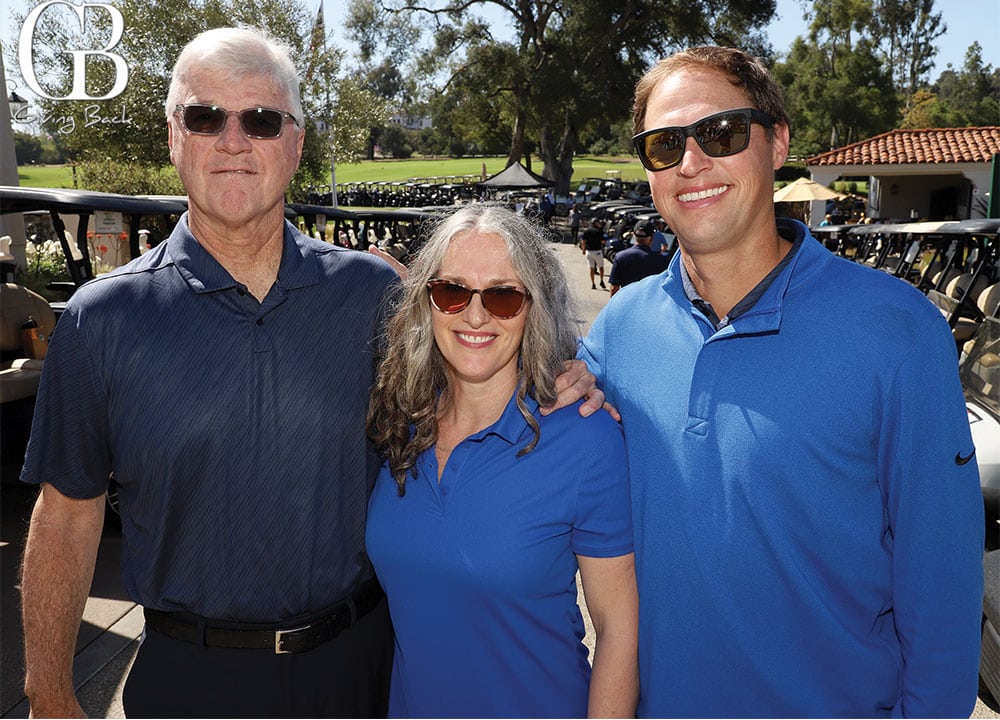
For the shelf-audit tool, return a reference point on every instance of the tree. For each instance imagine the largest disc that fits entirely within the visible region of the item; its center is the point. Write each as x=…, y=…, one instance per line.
x=129, y=129
x=927, y=111
x=572, y=63
x=27, y=148
x=971, y=95
x=906, y=30
x=476, y=105
x=837, y=89
x=395, y=142
x=385, y=63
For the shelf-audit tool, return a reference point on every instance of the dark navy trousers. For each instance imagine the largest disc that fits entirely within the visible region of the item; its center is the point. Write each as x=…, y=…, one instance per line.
x=345, y=677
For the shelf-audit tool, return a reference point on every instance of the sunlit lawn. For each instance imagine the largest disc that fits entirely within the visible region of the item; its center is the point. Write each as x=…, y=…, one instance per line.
x=55, y=176
x=392, y=170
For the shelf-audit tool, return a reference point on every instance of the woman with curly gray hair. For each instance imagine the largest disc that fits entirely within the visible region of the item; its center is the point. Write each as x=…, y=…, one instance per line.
x=485, y=509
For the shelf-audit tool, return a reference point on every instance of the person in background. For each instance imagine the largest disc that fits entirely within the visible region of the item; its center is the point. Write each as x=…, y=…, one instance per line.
x=663, y=242
x=592, y=246
x=638, y=261
x=485, y=510
x=547, y=208
x=574, y=223
x=807, y=512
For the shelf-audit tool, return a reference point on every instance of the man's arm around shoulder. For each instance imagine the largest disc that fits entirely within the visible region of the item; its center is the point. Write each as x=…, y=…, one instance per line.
x=56, y=574
x=577, y=382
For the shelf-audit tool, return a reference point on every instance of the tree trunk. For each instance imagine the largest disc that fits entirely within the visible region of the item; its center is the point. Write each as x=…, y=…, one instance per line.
x=558, y=157
x=517, y=139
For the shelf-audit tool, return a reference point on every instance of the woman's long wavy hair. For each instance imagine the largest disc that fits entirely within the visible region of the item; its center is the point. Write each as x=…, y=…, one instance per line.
x=402, y=417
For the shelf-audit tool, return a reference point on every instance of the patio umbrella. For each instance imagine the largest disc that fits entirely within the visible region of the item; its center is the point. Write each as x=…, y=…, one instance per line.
x=803, y=190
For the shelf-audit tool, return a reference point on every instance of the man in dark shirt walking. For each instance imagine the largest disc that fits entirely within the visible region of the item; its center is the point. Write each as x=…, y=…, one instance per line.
x=638, y=261
x=592, y=245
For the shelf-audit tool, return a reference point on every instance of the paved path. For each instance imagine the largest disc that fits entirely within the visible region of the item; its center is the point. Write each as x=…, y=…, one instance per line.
x=589, y=302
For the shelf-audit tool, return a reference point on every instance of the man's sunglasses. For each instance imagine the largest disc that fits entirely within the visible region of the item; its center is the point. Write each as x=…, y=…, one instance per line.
x=257, y=122
x=718, y=135
x=500, y=301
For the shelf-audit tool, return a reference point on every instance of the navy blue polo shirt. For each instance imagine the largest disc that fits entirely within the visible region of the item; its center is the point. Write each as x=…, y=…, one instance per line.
x=480, y=568
x=235, y=429
x=635, y=263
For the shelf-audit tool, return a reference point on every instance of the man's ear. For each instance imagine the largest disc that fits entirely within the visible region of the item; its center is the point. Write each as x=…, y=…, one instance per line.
x=779, y=144
x=298, y=148
x=170, y=141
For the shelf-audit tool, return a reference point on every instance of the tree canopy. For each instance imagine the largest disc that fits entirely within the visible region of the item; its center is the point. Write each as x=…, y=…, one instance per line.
x=863, y=69
x=570, y=67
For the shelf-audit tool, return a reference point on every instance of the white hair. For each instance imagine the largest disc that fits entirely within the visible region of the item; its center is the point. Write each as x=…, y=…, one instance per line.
x=234, y=54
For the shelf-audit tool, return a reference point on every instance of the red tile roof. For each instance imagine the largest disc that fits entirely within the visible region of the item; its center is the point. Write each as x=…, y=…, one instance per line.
x=906, y=147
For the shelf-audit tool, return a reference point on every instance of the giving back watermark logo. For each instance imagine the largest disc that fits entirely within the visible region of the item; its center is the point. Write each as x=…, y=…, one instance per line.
x=28, y=63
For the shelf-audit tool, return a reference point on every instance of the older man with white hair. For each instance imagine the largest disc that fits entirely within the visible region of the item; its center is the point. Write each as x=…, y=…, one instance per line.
x=223, y=379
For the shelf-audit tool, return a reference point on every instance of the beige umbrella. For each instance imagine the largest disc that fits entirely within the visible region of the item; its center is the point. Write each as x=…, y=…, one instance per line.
x=803, y=190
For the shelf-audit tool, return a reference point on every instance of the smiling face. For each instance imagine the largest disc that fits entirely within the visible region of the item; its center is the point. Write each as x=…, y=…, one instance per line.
x=479, y=349
x=712, y=204
x=232, y=179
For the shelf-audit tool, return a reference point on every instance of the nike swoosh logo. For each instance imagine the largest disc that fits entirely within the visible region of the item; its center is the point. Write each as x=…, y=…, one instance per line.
x=959, y=460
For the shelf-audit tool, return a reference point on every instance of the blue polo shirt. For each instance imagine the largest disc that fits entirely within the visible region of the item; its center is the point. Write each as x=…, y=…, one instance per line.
x=806, y=544
x=235, y=429
x=480, y=569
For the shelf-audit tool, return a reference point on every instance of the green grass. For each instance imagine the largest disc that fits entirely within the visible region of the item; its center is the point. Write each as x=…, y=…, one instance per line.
x=52, y=176
x=392, y=170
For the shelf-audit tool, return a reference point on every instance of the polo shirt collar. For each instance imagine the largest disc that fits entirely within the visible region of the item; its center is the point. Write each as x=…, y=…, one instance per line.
x=298, y=268
x=511, y=425
x=803, y=260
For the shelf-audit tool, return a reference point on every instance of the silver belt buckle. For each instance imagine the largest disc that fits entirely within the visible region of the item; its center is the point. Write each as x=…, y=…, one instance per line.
x=279, y=637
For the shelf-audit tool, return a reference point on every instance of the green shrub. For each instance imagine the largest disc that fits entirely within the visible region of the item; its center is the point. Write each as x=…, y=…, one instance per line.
x=114, y=176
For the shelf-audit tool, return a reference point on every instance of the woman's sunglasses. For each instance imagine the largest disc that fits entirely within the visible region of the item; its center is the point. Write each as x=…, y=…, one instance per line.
x=718, y=135
x=500, y=301
x=257, y=122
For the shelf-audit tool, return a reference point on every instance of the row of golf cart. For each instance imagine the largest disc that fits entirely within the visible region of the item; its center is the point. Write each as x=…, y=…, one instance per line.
x=597, y=190
x=415, y=193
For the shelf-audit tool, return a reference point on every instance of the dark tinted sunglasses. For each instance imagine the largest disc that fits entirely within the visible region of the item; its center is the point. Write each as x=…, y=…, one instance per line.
x=500, y=301
x=718, y=135
x=257, y=122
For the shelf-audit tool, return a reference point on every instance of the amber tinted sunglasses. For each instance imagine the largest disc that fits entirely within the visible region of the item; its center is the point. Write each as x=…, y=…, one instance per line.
x=500, y=301
x=718, y=135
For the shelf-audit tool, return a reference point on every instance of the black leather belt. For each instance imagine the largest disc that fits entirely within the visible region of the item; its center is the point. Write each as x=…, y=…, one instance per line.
x=281, y=640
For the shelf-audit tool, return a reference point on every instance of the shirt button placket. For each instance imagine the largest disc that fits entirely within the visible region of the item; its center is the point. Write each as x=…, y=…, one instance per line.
x=703, y=381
